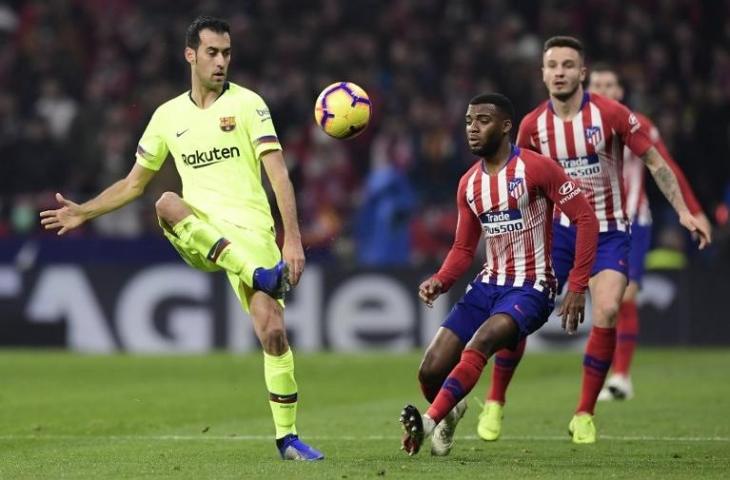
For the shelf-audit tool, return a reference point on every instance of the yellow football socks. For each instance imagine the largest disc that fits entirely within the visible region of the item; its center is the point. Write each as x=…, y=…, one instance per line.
x=279, y=374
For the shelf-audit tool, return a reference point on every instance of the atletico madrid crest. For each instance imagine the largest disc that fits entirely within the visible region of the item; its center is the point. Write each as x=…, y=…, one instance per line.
x=516, y=187
x=228, y=123
x=594, y=135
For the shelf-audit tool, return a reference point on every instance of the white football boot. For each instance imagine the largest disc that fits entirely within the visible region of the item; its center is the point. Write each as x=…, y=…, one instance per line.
x=617, y=387
x=443, y=434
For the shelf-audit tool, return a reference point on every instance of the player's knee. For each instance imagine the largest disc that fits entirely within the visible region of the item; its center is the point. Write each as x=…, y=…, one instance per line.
x=429, y=372
x=484, y=342
x=167, y=205
x=605, y=313
x=428, y=375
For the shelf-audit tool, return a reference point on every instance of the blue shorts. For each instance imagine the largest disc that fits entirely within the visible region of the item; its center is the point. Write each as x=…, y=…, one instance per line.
x=528, y=307
x=640, y=243
x=612, y=253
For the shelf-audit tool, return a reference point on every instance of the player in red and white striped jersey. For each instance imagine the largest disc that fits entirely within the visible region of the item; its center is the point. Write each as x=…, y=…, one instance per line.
x=586, y=133
x=508, y=196
x=605, y=81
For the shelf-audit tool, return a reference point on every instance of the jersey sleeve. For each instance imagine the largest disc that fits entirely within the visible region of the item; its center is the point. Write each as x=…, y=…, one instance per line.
x=466, y=239
x=689, y=196
x=566, y=194
x=260, y=127
x=524, y=135
x=152, y=149
x=633, y=133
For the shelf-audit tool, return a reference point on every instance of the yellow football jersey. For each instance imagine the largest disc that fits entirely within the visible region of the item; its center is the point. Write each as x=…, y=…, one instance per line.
x=217, y=153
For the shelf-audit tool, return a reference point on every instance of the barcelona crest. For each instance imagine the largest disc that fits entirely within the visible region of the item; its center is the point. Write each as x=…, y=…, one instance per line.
x=228, y=123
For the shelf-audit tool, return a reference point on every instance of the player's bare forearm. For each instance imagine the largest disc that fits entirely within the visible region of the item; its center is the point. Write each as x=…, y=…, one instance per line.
x=292, y=251
x=288, y=208
x=665, y=179
x=115, y=196
x=284, y=192
x=70, y=214
x=668, y=184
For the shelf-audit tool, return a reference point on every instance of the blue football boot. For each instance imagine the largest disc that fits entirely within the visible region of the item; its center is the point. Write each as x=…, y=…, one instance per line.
x=273, y=281
x=291, y=448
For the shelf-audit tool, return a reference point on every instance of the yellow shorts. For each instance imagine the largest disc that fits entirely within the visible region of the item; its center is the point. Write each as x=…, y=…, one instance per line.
x=259, y=246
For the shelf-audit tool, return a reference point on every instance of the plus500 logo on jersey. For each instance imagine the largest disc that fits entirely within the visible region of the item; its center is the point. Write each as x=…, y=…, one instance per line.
x=497, y=223
x=200, y=159
x=587, y=166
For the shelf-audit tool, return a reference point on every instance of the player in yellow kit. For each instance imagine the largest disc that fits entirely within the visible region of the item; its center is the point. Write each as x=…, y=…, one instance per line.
x=219, y=135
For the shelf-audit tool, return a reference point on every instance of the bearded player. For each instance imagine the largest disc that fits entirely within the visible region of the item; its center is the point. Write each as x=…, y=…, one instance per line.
x=508, y=195
x=219, y=135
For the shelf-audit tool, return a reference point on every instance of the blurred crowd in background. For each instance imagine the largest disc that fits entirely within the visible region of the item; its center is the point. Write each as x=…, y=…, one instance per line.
x=79, y=80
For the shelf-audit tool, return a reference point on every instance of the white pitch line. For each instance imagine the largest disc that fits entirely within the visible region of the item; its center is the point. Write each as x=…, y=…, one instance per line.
x=256, y=438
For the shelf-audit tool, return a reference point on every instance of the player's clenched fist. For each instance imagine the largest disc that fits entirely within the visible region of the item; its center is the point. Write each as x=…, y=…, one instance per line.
x=430, y=290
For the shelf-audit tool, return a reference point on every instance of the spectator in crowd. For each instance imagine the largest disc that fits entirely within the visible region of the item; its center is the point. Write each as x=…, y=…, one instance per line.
x=79, y=80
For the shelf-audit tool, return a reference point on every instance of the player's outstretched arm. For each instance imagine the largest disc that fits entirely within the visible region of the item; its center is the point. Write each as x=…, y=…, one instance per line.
x=70, y=215
x=278, y=174
x=667, y=182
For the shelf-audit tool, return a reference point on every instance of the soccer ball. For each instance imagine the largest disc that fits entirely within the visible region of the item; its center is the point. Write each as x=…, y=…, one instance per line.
x=342, y=110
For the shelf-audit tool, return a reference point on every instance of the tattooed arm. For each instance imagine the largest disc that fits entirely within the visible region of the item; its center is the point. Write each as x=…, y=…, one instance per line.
x=668, y=184
x=665, y=179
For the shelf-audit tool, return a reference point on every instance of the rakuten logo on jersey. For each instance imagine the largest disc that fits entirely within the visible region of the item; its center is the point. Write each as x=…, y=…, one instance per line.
x=568, y=190
x=200, y=159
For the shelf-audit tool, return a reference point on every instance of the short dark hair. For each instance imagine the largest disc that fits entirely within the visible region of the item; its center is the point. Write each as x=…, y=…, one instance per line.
x=192, y=35
x=498, y=100
x=599, y=67
x=564, y=41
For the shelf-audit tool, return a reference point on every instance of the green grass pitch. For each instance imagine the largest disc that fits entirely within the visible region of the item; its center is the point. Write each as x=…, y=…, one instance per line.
x=75, y=416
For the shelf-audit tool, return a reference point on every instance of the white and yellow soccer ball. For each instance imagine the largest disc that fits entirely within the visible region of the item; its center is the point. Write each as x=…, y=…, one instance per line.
x=342, y=110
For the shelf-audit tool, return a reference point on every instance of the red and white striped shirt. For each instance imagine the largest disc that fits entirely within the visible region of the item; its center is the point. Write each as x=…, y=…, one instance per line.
x=637, y=202
x=589, y=147
x=513, y=209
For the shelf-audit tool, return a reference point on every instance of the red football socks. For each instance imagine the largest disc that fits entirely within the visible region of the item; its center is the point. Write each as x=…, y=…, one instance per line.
x=627, y=330
x=458, y=384
x=596, y=362
x=505, y=363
